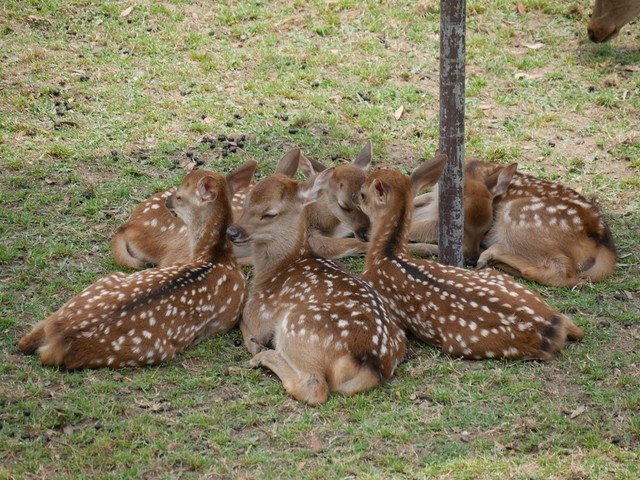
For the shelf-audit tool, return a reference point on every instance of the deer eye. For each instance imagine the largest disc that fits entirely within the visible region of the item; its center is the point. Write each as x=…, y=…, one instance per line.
x=268, y=215
x=363, y=197
x=178, y=197
x=344, y=209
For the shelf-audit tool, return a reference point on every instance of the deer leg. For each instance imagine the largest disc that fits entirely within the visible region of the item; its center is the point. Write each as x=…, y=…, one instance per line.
x=329, y=247
x=557, y=271
x=424, y=231
x=305, y=387
x=423, y=249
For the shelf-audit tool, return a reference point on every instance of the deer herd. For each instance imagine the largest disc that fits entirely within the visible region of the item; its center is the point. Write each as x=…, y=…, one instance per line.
x=317, y=326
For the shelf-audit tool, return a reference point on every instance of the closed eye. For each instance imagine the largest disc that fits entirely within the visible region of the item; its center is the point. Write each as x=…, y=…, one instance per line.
x=344, y=209
x=268, y=215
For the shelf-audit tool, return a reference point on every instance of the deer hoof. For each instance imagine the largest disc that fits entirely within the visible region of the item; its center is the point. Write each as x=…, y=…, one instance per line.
x=484, y=260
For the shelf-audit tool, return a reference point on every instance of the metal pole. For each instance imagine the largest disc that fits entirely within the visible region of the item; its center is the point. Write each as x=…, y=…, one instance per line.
x=452, y=53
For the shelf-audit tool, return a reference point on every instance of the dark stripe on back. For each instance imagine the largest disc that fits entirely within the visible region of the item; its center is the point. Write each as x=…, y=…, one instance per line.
x=392, y=243
x=191, y=276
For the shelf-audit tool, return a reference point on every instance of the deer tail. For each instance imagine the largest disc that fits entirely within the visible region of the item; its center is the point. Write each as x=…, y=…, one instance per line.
x=33, y=340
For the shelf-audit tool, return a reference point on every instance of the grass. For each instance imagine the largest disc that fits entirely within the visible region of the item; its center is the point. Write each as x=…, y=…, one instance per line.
x=96, y=111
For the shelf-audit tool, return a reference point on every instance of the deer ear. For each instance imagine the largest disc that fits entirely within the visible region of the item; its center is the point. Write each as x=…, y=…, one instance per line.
x=504, y=179
x=288, y=164
x=309, y=194
x=306, y=167
x=429, y=172
x=241, y=177
x=363, y=160
x=207, y=189
x=317, y=166
x=380, y=192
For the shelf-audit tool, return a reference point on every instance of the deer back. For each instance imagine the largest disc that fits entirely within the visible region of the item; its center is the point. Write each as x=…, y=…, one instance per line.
x=321, y=321
x=150, y=316
x=470, y=314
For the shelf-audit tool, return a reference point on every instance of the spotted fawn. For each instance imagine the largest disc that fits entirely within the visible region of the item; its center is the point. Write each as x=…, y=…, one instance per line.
x=151, y=316
x=328, y=330
x=468, y=314
x=543, y=231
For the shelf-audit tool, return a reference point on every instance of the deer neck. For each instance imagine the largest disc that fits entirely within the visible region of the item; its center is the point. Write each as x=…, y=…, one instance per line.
x=271, y=257
x=208, y=240
x=390, y=231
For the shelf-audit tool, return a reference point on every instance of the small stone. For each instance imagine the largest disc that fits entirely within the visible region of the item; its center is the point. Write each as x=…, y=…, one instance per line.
x=293, y=130
x=334, y=157
x=26, y=413
x=188, y=153
x=237, y=115
x=228, y=123
x=222, y=138
x=237, y=342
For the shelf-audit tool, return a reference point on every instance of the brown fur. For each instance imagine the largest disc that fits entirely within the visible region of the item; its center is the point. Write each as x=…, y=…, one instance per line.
x=478, y=216
x=468, y=314
x=609, y=16
x=334, y=214
x=148, y=317
x=545, y=232
x=329, y=331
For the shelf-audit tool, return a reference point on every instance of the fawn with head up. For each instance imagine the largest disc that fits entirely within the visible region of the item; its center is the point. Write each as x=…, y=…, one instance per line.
x=328, y=329
x=478, y=213
x=474, y=315
x=151, y=316
x=153, y=236
x=544, y=231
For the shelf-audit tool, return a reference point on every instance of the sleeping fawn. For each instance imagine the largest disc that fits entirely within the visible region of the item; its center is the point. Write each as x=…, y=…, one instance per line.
x=151, y=316
x=469, y=314
x=328, y=329
x=153, y=236
x=544, y=231
x=334, y=214
x=478, y=213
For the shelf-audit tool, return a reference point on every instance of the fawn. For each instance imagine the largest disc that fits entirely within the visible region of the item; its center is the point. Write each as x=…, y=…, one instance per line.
x=151, y=316
x=478, y=213
x=334, y=214
x=152, y=235
x=328, y=329
x=544, y=231
x=474, y=315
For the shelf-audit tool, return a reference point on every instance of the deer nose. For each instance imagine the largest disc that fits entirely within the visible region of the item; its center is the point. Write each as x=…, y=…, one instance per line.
x=236, y=234
x=592, y=36
x=362, y=234
x=471, y=261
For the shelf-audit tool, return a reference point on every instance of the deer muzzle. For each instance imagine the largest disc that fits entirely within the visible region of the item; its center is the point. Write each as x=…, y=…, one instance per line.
x=237, y=235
